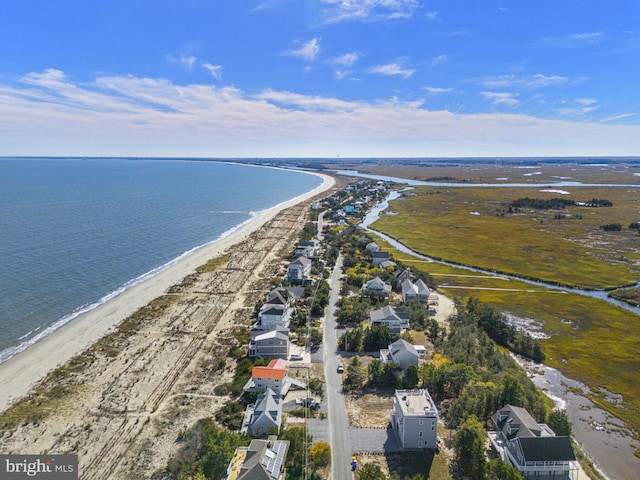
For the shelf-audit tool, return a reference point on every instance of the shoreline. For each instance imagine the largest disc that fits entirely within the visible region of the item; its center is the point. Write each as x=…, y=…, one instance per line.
x=20, y=373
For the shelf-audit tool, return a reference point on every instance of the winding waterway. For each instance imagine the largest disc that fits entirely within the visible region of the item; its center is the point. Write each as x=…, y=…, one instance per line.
x=603, y=437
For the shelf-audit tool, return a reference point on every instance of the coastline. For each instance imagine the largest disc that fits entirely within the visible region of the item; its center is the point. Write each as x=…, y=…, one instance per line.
x=22, y=371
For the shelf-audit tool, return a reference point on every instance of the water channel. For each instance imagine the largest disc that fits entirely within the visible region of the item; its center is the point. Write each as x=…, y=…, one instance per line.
x=603, y=437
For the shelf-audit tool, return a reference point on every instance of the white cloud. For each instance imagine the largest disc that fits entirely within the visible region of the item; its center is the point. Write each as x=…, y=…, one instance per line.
x=392, y=69
x=186, y=61
x=127, y=115
x=308, y=51
x=531, y=82
x=348, y=59
x=437, y=60
x=617, y=117
x=370, y=10
x=437, y=90
x=501, y=98
x=575, y=40
x=214, y=70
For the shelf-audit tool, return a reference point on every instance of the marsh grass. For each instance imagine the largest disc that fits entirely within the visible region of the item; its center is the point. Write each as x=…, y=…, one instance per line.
x=472, y=226
x=591, y=340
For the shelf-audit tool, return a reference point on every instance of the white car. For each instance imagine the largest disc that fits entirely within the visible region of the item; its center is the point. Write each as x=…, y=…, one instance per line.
x=296, y=356
x=340, y=368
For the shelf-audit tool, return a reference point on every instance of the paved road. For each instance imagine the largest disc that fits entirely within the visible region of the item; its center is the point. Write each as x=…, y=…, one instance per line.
x=338, y=424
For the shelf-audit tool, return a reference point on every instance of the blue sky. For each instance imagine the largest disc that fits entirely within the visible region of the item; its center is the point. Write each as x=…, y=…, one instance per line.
x=320, y=78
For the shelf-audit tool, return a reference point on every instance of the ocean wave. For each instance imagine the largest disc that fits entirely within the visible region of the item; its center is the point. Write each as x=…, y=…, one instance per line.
x=30, y=339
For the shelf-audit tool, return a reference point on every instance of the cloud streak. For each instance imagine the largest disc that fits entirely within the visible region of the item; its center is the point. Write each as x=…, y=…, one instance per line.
x=47, y=113
x=308, y=51
x=392, y=69
x=370, y=10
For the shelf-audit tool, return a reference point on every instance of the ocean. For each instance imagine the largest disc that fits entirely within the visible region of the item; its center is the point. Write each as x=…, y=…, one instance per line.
x=76, y=232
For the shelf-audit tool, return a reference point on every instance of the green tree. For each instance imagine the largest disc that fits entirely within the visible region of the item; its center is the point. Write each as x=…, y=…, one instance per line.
x=316, y=386
x=410, y=378
x=499, y=470
x=469, y=447
x=375, y=338
x=513, y=392
x=298, y=445
x=370, y=471
x=351, y=340
x=355, y=374
x=559, y=423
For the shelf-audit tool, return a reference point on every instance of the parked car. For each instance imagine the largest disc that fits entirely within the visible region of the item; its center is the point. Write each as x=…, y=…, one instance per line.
x=340, y=368
x=296, y=356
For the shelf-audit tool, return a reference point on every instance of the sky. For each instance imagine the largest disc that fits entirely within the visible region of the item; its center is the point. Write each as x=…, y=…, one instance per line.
x=320, y=78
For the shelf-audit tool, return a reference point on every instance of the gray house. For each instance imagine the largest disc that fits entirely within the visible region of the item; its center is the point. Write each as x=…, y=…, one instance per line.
x=414, y=418
x=261, y=460
x=298, y=270
x=378, y=257
x=396, y=320
x=415, y=291
x=402, y=353
x=378, y=286
x=271, y=344
x=532, y=447
x=265, y=415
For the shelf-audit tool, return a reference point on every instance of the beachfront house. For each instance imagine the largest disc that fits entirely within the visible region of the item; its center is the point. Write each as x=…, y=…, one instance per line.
x=531, y=447
x=299, y=270
x=275, y=312
x=264, y=416
x=274, y=376
x=271, y=344
x=261, y=460
x=395, y=319
x=377, y=286
x=414, y=419
x=310, y=249
x=401, y=353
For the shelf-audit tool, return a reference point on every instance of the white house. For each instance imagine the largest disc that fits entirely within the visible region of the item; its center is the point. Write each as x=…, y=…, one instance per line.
x=414, y=418
x=308, y=249
x=396, y=320
x=274, y=376
x=532, y=447
x=298, y=270
x=401, y=353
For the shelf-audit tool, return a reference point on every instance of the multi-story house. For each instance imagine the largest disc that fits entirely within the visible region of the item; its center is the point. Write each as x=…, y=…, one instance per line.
x=414, y=418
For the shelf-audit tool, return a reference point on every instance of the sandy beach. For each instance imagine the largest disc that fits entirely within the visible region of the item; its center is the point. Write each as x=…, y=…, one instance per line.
x=20, y=373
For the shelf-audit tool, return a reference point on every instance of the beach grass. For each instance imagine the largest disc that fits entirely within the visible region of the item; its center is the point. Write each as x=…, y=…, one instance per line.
x=56, y=391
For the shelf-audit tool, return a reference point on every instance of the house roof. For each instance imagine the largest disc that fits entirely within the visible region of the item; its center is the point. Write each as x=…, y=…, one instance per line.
x=402, y=346
x=301, y=261
x=547, y=449
x=388, y=313
x=267, y=372
x=516, y=422
x=278, y=363
x=263, y=459
x=276, y=298
x=422, y=287
x=272, y=334
x=268, y=404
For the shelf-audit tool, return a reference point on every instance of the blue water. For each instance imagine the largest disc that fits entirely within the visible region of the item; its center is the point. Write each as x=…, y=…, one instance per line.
x=76, y=232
